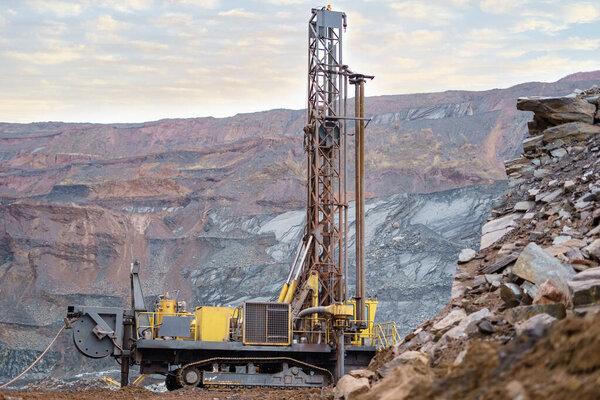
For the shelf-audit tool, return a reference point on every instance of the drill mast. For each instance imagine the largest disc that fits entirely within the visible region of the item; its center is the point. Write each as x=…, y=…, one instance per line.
x=325, y=143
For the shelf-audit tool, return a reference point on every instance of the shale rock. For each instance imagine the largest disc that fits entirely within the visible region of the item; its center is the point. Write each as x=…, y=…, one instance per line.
x=496, y=229
x=585, y=293
x=511, y=294
x=522, y=313
x=537, y=266
x=451, y=319
x=547, y=293
x=405, y=358
x=535, y=326
x=558, y=110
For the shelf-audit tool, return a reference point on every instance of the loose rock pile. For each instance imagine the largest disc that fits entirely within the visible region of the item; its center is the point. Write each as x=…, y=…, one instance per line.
x=535, y=281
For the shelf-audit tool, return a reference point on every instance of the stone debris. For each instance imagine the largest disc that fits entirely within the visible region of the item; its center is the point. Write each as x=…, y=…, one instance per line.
x=522, y=313
x=349, y=387
x=466, y=255
x=449, y=320
x=496, y=229
x=511, y=294
x=538, y=264
x=535, y=326
x=547, y=293
x=362, y=373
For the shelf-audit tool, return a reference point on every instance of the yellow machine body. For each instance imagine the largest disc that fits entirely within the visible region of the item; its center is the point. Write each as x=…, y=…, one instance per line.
x=369, y=331
x=212, y=324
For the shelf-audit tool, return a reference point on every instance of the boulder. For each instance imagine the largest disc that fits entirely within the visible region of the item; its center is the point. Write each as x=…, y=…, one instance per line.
x=569, y=185
x=585, y=293
x=535, y=326
x=531, y=143
x=522, y=313
x=349, y=387
x=467, y=325
x=495, y=230
x=588, y=274
x=524, y=206
x=516, y=165
x=401, y=382
x=516, y=391
x=537, y=266
x=404, y=358
x=558, y=110
x=558, y=153
x=571, y=131
x=594, y=249
x=452, y=318
x=551, y=196
x=486, y=327
x=466, y=255
x=541, y=172
x=362, y=373
x=511, y=294
x=560, y=239
x=547, y=293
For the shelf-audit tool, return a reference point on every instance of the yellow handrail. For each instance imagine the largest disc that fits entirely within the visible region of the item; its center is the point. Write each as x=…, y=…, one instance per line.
x=386, y=335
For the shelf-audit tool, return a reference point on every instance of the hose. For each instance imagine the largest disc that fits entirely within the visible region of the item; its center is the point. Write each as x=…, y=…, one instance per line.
x=312, y=310
x=35, y=362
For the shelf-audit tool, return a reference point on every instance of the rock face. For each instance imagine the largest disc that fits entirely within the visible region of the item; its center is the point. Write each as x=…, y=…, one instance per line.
x=218, y=259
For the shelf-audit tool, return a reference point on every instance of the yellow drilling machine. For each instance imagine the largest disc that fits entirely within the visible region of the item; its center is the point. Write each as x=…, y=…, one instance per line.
x=313, y=333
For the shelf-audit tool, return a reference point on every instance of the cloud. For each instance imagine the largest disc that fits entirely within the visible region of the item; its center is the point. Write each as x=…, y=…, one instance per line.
x=59, y=8
x=538, y=24
x=173, y=20
x=581, y=13
x=124, y=6
x=500, y=6
x=237, y=13
x=406, y=63
x=198, y=3
x=106, y=23
x=425, y=12
x=577, y=43
x=419, y=37
x=150, y=47
x=51, y=56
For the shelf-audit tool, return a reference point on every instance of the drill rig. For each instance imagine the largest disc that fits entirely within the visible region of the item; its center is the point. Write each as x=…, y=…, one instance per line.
x=313, y=333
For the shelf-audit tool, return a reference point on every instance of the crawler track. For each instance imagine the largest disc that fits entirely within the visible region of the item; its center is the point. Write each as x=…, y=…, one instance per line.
x=177, y=379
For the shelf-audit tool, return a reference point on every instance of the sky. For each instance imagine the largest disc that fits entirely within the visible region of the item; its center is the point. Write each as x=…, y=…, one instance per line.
x=142, y=60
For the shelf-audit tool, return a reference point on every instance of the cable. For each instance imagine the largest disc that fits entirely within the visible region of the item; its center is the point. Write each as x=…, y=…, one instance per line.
x=35, y=362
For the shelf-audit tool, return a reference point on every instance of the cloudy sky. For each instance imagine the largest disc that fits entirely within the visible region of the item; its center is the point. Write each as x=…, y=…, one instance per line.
x=140, y=60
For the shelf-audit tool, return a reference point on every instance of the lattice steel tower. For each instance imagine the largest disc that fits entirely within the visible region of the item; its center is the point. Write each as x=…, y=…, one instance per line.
x=325, y=143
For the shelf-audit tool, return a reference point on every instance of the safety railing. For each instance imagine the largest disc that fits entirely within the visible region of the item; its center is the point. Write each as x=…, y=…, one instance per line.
x=315, y=330
x=385, y=335
x=379, y=335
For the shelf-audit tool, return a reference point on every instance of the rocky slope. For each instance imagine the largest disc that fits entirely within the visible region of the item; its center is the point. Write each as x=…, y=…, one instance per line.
x=522, y=321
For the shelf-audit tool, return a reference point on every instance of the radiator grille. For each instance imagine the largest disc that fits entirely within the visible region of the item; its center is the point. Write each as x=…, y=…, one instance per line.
x=266, y=323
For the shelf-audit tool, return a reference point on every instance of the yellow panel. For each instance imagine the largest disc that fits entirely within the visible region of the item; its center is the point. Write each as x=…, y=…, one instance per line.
x=212, y=323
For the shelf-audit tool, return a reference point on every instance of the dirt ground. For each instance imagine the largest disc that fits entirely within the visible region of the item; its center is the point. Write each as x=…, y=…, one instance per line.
x=139, y=393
